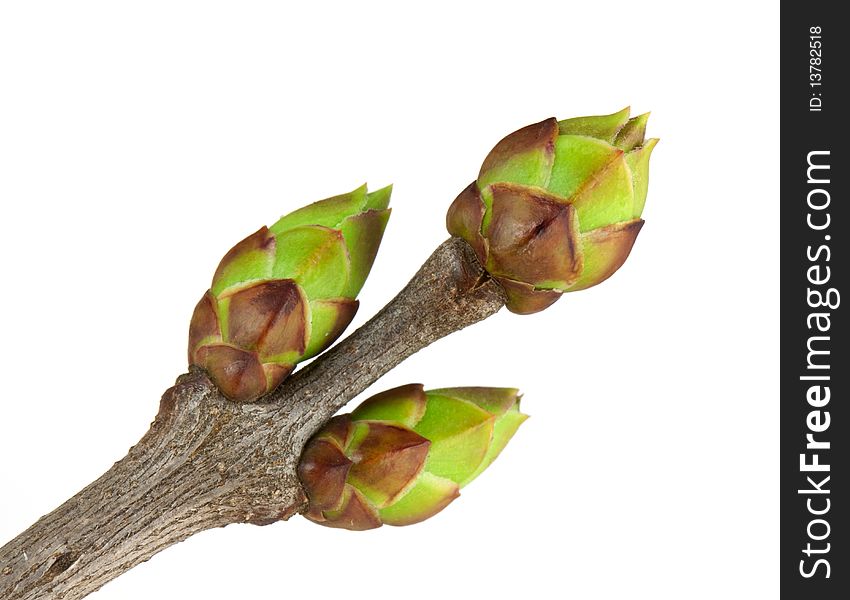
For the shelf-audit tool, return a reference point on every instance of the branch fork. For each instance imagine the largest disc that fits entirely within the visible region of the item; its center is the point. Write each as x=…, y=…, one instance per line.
x=208, y=462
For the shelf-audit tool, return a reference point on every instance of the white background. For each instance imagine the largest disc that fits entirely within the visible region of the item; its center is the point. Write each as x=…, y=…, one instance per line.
x=139, y=141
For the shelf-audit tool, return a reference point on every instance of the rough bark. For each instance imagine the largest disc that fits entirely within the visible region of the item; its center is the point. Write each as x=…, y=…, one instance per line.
x=208, y=462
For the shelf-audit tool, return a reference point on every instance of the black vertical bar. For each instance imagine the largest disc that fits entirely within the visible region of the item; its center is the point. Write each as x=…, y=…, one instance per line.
x=814, y=391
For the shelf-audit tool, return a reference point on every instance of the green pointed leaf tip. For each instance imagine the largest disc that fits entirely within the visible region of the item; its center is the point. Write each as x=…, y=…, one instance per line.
x=638, y=161
x=330, y=212
x=455, y=432
x=327, y=213
x=379, y=199
x=598, y=165
x=633, y=133
x=326, y=251
x=602, y=127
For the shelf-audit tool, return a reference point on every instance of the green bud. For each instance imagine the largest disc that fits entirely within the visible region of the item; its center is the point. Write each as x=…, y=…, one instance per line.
x=403, y=455
x=556, y=206
x=286, y=292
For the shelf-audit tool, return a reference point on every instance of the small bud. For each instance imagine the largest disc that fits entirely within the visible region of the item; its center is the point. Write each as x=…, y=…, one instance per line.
x=556, y=206
x=285, y=293
x=403, y=455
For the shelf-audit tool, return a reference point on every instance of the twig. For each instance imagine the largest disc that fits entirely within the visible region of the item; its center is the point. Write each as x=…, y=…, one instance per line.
x=207, y=462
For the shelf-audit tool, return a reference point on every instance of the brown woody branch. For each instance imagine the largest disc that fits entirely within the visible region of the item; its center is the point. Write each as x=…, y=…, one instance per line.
x=208, y=462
